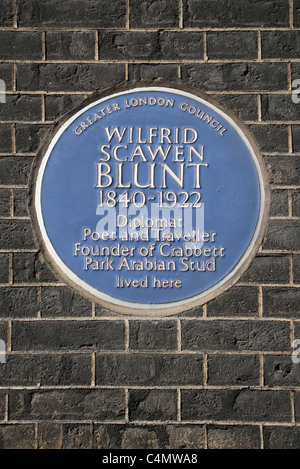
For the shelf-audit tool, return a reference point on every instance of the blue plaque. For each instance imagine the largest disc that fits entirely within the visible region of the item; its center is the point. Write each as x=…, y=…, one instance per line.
x=150, y=199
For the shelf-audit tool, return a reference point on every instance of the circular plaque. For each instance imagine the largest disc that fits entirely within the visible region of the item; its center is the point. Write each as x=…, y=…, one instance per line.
x=150, y=199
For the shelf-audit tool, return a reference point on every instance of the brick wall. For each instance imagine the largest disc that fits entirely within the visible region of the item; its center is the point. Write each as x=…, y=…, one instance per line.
x=219, y=376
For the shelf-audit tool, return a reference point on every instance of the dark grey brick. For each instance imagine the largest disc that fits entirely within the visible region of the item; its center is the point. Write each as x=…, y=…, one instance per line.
x=244, y=106
x=185, y=437
x=101, y=311
x=196, y=312
x=153, y=335
x=282, y=234
x=283, y=170
x=21, y=108
x=296, y=203
x=281, y=437
x=271, y=137
x=153, y=14
x=76, y=436
x=5, y=201
x=63, y=301
x=233, y=437
x=296, y=136
x=17, y=436
x=68, y=335
x=21, y=202
x=4, y=268
x=49, y=435
x=5, y=138
x=69, y=14
x=296, y=13
x=148, y=370
x=297, y=332
x=7, y=13
x=297, y=406
x=15, y=170
x=46, y=370
x=6, y=74
x=245, y=405
x=281, y=301
x=279, y=107
x=242, y=301
x=296, y=270
x=252, y=335
x=233, y=370
x=154, y=404
x=236, y=76
x=129, y=45
x=280, y=370
x=181, y=45
x=280, y=44
x=31, y=268
x=16, y=45
x=3, y=333
x=231, y=45
x=139, y=436
x=19, y=302
x=71, y=404
x=58, y=105
x=29, y=137
x=138, y=72
x=16, y=234
x=68, y=77
x=279, y=206
x=200, y=13
x=268, y=269
x=75, y=45
x=167, y=45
